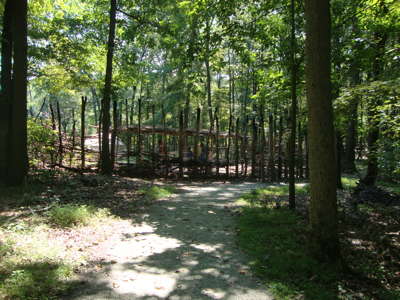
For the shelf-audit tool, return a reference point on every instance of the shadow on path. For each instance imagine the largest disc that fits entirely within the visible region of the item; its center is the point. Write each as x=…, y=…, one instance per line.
x=183, y=248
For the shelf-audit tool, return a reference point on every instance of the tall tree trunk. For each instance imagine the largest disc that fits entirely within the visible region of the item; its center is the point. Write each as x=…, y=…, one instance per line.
x=73, y=134
x=181, y=143
x=254, y=149
x=217, y=142
x=300, y=152
x=293, y=112
x=271, y=161
x=339, y=150
x=237, y=147
x=6, y=90
x=323, y=206
x=17, y=139
x=262, y=144
x=60, y=137
x=106, y=164
x=279, y=175
x=139, y=138
x=114, y=132
x=83, y=125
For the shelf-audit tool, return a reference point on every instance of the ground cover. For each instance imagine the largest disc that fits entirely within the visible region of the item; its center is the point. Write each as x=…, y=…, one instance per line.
x=53, y=227
x=275, y=239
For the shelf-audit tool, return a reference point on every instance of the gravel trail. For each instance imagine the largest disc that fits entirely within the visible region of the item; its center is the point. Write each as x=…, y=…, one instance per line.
x=182, y=248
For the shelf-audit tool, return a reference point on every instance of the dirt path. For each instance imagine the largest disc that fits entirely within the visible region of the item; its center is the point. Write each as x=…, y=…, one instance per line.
x=183, y=248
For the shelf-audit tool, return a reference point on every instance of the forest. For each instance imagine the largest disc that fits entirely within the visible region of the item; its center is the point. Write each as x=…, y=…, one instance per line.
x=200, y=149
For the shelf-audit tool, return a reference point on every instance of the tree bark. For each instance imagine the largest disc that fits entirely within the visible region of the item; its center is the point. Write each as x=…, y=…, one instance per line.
x=17, y=139
x=114, y=133
x=83, y=125
x=6, y=82
x=60, y=137
x=105, y=159
x=293, y=112
x=323, y=206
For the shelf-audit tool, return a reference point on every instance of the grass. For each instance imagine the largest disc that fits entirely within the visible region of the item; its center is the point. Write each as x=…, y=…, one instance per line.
x=276, y=239
x=154, y=192
x=32, y=265
x=70, y=215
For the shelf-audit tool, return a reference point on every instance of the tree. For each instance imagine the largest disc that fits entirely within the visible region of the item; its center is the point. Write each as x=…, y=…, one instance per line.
x=293, y=111
x=14, y=157
x=105, y=159
x=323, y=206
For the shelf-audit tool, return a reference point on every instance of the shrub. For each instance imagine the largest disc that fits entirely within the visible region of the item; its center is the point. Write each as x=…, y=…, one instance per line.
x=75, y=215
x=41, y=142
x=155, y=192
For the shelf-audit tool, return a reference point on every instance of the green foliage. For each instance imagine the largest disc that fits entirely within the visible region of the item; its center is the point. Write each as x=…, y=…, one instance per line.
x=41, y=142
x=33, y=266
x=155, y=192
x=75, y=215
x=36, y=281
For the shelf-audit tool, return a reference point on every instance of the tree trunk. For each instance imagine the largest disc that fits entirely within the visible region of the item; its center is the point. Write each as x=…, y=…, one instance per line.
x=106, y=164
x=114, y=133
x=139, y=139
x=237, y=147
x=300, y=160
x=73, y=134
x=279, y=175
x=293, y=113
x=83, y=125
x=262, y=144
x=323, y=206
x=254, y=149
x=271, y=162
x=17, y=159
x=60, y=137
x=217, y=142
x=6, y=90
x=181, y=143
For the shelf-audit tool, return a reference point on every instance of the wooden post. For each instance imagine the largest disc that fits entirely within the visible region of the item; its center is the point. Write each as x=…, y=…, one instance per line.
x=181, y=144
x=83, y=125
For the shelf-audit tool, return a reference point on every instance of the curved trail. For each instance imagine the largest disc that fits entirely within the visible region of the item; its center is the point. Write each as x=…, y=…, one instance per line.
x=183, y=248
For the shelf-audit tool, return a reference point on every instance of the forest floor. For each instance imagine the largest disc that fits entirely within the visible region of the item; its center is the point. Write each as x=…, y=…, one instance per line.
x=141, y=240
x=77, y=237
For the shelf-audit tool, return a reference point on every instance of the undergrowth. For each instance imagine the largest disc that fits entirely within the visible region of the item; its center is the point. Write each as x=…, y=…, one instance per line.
x=275, y=239
x=154, y=192
x=32, y=265
x=76, y=215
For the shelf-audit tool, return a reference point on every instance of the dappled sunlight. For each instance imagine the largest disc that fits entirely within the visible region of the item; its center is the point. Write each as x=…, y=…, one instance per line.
x=183, y=248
